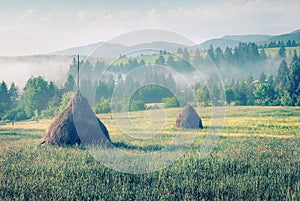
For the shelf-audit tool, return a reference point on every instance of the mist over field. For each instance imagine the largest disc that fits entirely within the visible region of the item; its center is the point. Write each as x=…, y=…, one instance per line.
x=20, y=69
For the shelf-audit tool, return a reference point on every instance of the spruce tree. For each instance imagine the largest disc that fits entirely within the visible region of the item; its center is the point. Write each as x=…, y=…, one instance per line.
x=281, y=75
x=281, y=52
x=4, y=97
x=293, y=83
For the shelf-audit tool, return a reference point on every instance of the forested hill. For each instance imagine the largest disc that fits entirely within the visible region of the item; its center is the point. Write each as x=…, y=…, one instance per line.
x=233, y=40
x=114, y=50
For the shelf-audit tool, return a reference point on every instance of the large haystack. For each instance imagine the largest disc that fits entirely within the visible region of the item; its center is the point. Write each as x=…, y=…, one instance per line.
x=188, y=118
x=77, y=123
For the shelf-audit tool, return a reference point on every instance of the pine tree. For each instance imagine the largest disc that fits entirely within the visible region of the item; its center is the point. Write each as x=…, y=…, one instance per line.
x=160, y=60
x=293, y=83
x=218, y=55
x=282, y=52
x=186, y=55
x=35, y=95
x=263, y=94
x=4, y=97
x=179, y=50
x=241, y=94
x=250, y=89
x=263, y=54
x=70, y=84
x=197, y=59
x=13, y=94
x=211, y=52
x=252, y=52
x=281, y=76
x=171, y=61
x=262, y=77
x=228, y=56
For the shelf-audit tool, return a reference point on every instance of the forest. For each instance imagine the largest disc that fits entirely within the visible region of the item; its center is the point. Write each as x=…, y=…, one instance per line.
x=42, y=98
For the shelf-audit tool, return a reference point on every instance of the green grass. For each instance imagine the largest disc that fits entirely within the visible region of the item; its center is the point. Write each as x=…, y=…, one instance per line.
x=270, y=52
x=273, y=52
x=257, y=158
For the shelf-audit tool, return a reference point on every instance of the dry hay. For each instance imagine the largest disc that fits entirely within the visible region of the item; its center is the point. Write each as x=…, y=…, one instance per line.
x=77, y=123
x=188, y=118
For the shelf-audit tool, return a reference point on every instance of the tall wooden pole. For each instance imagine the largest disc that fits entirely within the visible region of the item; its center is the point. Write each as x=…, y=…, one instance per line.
x=78, y=75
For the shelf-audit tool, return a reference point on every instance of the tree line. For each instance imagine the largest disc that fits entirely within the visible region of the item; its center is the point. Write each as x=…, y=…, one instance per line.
x=43, y=99
x=273, y=44
x=283, y=89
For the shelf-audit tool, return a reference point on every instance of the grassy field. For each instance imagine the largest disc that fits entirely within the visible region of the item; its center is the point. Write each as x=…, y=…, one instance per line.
x=257, y=158
x=270, y=52
x=273, y=52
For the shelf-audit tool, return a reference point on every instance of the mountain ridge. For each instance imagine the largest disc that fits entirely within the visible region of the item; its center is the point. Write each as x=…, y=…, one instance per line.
x=110, y=50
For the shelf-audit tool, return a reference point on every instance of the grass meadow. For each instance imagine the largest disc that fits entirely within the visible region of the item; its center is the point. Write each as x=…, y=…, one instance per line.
x=257, y=157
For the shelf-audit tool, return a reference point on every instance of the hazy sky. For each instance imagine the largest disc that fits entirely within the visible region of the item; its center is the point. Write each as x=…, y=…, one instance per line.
x=38, y=27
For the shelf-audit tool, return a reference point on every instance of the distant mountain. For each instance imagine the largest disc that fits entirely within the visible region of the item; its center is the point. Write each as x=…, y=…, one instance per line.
x=295, y=35
x=234, y=40
x=219, y=42
x=111, y=50
x=248, y=38
x=86, y=50
x=159, y=45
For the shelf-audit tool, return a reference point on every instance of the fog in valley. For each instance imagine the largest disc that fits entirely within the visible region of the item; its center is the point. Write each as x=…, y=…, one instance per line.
x=20, y=69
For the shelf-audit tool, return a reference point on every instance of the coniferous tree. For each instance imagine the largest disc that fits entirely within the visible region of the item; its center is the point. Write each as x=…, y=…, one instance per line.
x=179, y=50
x=142, y=62
x=262, y=77
x=211, y=52
x=229, y=95
x=252, y=52
x=35, y=95
x=197, y=59
x=263, y=94
x=4, y=97
x=70, y=84
x=171, y=61
x=186, y=55
x=293, y=83
x=281, y=76
x=218, y=55
x=160, y=60
x=250, y=89
x=282, y=52
x=241, y=94
x=13, y=95
x=228, y=56
x=263, y=54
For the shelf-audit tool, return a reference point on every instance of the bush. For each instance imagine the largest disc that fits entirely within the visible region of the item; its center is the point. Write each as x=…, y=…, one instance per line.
x=16, y=114
x=170, y=102
x=136, y=105
x=104, y=106
x=66, y=97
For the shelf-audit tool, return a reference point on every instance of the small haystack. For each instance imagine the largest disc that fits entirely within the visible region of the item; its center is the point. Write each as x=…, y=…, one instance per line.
x=77, y=123
x=188, y=118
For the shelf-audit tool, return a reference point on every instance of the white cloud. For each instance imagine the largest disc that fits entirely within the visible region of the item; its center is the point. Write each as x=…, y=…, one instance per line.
x=82, y=15
x=12, y=28
x=87, y=16
x=27, y=13
x=207, y=19
x=46, y=17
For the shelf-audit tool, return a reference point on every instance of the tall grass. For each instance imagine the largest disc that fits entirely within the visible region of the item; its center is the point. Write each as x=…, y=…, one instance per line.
x=256, y=158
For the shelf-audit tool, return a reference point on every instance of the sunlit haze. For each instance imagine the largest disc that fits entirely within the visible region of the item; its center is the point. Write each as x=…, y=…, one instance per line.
x=39, y=27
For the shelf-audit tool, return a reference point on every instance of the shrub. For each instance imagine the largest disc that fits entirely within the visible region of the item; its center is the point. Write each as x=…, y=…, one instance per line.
x=136, y=105
x=170, y=102
x=104, y=106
